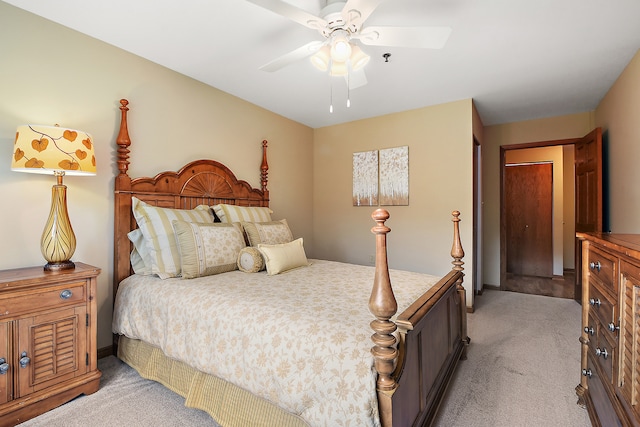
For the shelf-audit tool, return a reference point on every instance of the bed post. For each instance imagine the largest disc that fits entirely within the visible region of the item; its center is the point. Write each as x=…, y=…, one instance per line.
x=383, y=305
x=264, y=171
x=457, y=253
x=122, y=205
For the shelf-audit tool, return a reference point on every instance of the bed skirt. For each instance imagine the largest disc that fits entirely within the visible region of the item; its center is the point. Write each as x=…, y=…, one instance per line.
x=229, y=405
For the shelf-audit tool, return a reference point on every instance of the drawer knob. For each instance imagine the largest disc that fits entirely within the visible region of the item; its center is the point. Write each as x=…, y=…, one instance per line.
x=595, y=265
x=66, y=294
x=587, y=373
x=24, y=359
x=595, y=302
x=613, y=327
x=604, y=353
x=4, y=366
x=589, y=330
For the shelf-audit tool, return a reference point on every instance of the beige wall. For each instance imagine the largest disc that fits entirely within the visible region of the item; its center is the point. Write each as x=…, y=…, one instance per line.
x=440, y=181
x=50, y=74
x=619, y=114
x=554, y=128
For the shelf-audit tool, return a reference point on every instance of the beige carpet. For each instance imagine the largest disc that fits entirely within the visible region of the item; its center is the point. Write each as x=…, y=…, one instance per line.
x=522, y=369
x=523, y=365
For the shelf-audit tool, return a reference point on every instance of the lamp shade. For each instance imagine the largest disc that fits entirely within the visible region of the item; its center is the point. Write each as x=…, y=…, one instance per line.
x=51, y=149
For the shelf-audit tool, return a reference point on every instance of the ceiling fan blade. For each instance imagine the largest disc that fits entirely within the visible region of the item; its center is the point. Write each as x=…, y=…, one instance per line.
x=420, y=37
x=356, y=79
x=289, y=11
x=293, y=56
x=357, y=11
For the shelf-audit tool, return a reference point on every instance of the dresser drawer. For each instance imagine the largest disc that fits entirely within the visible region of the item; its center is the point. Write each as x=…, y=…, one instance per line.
x=603, y=267
x=61, y=295
x=605, y=353
x=601, y=306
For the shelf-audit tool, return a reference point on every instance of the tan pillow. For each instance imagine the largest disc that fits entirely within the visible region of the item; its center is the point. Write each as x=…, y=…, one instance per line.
x=207, y=249
x=155, y=224
x=283, y=257
x=268, y=233
x=233, y=213
x=250, y=260
x=140, y=257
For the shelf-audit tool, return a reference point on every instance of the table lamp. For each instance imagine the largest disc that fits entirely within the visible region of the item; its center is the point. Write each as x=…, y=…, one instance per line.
x=55, y=151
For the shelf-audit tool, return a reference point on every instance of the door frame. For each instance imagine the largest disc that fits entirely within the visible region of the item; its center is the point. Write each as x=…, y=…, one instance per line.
x=503, y=214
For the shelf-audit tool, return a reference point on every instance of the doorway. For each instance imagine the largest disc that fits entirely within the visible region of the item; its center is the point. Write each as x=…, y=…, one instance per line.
x=537, y=219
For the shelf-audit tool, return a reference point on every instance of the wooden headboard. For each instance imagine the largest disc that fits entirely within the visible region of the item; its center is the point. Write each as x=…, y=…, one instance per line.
x=202, y=182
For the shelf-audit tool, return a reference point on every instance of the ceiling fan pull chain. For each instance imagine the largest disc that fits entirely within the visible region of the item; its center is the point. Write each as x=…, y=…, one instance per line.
x=330, y=95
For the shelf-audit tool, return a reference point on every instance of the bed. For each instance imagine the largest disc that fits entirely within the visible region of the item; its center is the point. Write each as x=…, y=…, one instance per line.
x=331, y=361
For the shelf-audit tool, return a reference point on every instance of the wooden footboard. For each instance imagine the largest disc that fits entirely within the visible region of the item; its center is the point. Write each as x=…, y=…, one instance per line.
x=413, y=376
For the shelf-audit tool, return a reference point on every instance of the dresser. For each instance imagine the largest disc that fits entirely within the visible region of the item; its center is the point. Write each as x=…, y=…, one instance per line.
x=48, y=350
x=610, y=339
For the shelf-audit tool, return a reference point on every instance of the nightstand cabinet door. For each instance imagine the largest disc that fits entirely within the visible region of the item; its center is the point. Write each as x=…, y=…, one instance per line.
x=5, y=366
x=629, y=376
x=54, y=345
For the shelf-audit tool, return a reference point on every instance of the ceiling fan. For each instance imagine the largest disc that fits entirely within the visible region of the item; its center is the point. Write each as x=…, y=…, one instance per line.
x=341, y=25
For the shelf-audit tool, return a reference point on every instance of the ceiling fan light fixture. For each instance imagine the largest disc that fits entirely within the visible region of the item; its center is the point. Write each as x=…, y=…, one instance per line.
x=340, y=47
x=321, y=58
x=338, y=68
x=358, y=58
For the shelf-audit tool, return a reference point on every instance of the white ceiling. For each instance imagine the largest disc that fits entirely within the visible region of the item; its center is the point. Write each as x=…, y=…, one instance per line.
x=517, y=59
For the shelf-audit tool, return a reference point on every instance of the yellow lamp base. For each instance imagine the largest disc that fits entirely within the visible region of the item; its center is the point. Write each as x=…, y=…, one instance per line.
x=58, y=240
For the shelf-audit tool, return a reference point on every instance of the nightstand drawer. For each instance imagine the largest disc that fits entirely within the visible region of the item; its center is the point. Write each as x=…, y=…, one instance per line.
x=44, y=298
x=603, y=267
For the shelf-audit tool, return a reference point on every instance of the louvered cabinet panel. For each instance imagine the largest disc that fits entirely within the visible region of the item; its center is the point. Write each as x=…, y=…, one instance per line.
x=629, y=374
x=55, y=344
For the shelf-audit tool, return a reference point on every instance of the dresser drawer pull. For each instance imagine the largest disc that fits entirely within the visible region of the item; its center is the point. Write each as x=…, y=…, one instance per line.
x=595, y=265
x=66, y=294
x=587, y=373
x=4, y=366
x=589, y=330
x=595, y=302
x=613, y=327
x=604, y=353
x=24, y=359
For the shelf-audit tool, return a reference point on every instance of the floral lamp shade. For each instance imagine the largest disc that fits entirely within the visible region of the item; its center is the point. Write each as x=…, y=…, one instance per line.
x=47, y=149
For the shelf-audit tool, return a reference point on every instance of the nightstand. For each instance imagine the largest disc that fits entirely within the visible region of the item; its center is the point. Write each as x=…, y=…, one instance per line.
x=48, y=354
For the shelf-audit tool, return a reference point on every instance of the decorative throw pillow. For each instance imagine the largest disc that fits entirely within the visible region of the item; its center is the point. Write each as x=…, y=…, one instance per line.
x=268, y=233
x=207, y=249
x=250, y=260
x=140, y=257
x=155, y=224
x=233, y=213
x=283, y=257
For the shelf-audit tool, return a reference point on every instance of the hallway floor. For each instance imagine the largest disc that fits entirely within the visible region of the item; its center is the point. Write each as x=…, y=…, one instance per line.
x=559, y=287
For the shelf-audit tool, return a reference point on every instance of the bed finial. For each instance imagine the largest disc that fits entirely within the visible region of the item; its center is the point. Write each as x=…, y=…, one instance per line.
x=123, y=140
x=457, y=253
x=264, y=168
x=383, y=305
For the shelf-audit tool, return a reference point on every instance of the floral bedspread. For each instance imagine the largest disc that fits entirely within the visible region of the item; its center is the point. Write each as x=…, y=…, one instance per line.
x=300, y=339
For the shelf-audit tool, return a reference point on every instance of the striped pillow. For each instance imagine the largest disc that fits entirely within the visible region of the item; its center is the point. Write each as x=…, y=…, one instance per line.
x=155, y=224
x=207, y=249
x=233, y=213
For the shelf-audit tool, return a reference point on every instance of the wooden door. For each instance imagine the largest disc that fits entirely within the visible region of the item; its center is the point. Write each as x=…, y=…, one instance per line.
x=529, y=216
x=588, y=164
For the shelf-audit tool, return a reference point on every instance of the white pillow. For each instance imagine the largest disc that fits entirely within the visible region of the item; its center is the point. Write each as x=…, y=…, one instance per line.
x=207, y=249
x=155, y=224
x=140, y=257
x=233, y=213
x=283, y=257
